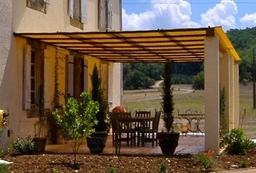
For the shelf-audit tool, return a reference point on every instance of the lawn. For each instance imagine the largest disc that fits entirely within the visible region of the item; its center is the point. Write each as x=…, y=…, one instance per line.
x=185, y=98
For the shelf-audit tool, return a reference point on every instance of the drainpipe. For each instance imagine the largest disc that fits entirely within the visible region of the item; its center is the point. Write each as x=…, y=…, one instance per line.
x=121, y=64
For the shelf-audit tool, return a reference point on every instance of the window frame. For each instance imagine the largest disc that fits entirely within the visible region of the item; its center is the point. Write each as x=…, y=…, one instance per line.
x=35, y=73
x=38, y=5
x=78, y=13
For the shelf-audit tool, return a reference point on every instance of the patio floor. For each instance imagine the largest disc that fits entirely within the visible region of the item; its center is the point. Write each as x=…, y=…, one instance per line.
x=189, y=144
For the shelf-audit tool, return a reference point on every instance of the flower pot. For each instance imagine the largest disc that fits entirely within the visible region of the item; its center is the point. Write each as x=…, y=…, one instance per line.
x=40, y=144
x=97, y=142
x=184, y=128
x=168, y=142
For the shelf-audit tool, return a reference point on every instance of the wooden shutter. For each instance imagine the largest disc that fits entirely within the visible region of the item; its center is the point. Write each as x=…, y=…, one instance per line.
x=84, y=11
x=85, y=84
x=71, y=8
x=102, y=15
x=70, y=76
x=27, y=78
x=109, y=10
x=47, y=80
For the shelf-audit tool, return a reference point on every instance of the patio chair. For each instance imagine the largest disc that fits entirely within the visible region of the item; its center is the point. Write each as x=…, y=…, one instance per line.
x=138, y=125
x=124, y=130
x=151, y=133
x=113, y=126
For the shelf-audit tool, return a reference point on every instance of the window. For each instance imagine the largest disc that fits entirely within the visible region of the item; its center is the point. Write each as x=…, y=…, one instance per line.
x=35, y=71
x=39, y=5
x=77, y=75
x=78, y=12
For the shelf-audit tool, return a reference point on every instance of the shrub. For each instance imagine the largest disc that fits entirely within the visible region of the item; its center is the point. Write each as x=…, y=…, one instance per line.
x=112, y=170
x=205, y=160
x=162, y=167
x=237, y=142
x=24, y=146
x=198, y=81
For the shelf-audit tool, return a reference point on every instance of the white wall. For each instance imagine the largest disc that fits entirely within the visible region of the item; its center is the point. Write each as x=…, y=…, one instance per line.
x=5, y=34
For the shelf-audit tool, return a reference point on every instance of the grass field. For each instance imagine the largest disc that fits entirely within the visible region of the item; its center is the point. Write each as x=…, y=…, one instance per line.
x=185, y=98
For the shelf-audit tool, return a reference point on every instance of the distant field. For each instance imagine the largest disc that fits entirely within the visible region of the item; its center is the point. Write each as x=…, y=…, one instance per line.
x=185, y=98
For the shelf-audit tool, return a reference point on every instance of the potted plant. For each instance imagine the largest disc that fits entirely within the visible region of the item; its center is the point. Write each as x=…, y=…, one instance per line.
x=97, y=141
x=40, y=139
x=77, y=120
x=168, y=139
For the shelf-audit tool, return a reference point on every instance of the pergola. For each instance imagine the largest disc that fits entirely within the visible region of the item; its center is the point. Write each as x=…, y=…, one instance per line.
x=209, y=45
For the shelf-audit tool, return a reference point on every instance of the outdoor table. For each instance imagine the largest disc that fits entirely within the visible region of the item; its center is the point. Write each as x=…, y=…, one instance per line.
x=142, y=120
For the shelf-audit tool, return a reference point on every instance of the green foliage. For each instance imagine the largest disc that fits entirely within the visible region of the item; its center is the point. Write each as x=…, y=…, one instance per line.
x=162, y=167
x=143, y=75
x=222, y=111
x=248, y=144
x=97, y=95
x=204, y=160
x=112, y=170
x=198, y=81
x=237, y=142
x=3, y=168
x=137, y=80
x=78, y=120
x=168, y=104
x=242, y=40
x=39, y=101
x=24, y=146
x=55, y=171
x=54, y=132
x=182, y=79
x=244, y=164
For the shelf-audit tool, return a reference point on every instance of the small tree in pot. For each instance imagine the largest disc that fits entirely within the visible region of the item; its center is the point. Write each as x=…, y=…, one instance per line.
x=77, y=120
x=97, y=141
x=40, y=138
x=168, y=140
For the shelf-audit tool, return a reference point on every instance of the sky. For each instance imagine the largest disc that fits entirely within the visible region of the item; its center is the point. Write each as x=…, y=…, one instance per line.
x=169, y=14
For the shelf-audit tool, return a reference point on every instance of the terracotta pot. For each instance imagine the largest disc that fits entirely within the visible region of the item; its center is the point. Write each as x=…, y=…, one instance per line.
x=40, y=144
x=184, y=128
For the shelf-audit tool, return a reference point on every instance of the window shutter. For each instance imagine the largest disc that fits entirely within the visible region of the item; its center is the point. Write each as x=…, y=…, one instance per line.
x=27, y=78
x=84, y=11
x=47, y=1
x=70, y=76
x=71, y=8
x=47, y=80
x=85, y=75
x=102, y=15
x=109, y=10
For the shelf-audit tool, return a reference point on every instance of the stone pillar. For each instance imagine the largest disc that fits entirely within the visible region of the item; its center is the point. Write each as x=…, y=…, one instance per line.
x=211, y=68
x=225, y=83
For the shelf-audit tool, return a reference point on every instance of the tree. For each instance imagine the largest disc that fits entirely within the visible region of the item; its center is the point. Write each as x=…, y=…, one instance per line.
x=168, y=105
x=198, y=81
x=97, y=95
x=78, y=120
